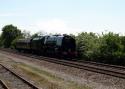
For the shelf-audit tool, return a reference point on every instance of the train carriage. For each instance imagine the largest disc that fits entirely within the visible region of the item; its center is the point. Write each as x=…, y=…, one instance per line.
x=23, y=44
x=37, y=44
x=57, y=45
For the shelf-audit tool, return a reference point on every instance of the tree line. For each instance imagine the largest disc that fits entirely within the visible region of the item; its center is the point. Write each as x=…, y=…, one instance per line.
x=105, y=48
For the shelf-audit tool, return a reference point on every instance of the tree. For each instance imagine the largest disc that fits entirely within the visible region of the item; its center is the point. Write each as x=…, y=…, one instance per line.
x=26, y=34
x=88, y=45
x=9, y=33
x=110, y=43
x=34, y=35
x=38, y=34
x=72, y=35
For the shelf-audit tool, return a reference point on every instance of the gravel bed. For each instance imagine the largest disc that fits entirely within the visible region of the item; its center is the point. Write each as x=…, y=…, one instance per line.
x=92, y=79
x=12, y=81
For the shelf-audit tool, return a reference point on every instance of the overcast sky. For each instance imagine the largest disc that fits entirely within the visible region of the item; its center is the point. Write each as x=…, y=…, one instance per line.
x=64, y=16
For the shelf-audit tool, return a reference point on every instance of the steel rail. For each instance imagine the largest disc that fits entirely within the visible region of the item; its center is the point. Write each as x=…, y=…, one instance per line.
x=20, y=77
x=74, y=60
x=3, y=84
x=111, y=70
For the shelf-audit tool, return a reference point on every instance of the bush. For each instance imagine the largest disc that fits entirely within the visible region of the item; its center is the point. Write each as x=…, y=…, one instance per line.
x=88, y=45
x=107, y=48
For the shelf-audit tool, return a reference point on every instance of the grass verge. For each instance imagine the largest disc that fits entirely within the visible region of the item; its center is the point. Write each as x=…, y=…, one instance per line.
x=47, y=80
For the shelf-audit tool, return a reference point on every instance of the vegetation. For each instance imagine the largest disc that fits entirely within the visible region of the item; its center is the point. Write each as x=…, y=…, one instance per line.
x=106, y=48
x=37, y=34
x=88, y=45
x=9, y=33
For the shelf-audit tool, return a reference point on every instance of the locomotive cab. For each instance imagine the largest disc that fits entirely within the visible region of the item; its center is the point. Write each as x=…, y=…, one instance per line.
x=69, y=47
x=61, y=45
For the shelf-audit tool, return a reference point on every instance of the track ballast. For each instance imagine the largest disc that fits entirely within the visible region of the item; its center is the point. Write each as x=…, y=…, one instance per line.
x=112, y=70
x=13, y=80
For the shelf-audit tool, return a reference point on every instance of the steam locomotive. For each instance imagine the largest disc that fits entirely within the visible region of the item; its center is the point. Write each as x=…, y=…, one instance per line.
x=57, y=45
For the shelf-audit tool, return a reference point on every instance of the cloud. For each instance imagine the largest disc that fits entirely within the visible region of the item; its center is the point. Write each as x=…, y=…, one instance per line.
x=57, y=26
x=48, y=26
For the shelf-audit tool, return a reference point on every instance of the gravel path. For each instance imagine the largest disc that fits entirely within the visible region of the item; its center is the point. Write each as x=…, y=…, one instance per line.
x=12, y=81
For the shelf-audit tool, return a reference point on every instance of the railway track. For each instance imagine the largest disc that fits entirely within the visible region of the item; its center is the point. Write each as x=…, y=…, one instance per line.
x=104, y=65
x=3, y=85
x=112, y=70
x=13, y=80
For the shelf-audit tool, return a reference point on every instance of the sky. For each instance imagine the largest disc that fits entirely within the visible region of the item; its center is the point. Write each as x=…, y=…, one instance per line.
x=64, y=16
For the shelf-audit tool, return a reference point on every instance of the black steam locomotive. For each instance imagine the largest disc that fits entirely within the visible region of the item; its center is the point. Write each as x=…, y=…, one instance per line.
x=57, y=45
